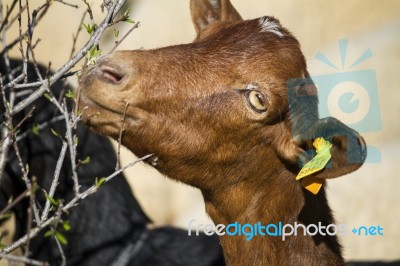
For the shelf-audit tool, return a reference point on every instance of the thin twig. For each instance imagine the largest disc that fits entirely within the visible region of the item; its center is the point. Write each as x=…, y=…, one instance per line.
x=54, y=182
x=15, y=202
x=75, y=36
x=67, y=4
x=22, y=259
x=66, y=67
x=68, y=206
x=117, y=43
x=12, y=131
x=89, y=11
x=72, y=150
x=121, y=132
x=4, y=21
x=40, y=127
x=30, y=208
x=53, y=230
x=8, y=105
x=21, y=47
x=15, y=18
x=40, y=83
x=41, y=11
x=21, y=166
x=25, y=178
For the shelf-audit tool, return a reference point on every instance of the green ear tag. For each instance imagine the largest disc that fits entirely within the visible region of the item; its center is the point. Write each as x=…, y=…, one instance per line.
x=318, y=163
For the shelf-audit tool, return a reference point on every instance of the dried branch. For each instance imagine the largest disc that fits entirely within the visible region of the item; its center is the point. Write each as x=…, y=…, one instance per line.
x=68, y=206
x=5, y=21
x=22, y=259
x=75, y=36
x=117, y=43
x=67, y=4
x=72, y=150
x=40, y=127
x=66, y=67
x=121, y=132
x=54, y=182
x=16, y=86
x=15, y=202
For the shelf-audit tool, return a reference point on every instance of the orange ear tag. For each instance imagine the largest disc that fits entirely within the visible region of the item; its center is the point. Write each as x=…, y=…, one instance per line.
x=318, y=163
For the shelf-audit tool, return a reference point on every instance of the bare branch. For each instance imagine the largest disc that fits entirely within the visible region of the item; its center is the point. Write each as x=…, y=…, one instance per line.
x=22, y=259
x=68, y=206
x=66, y=67
x=75, y=36
x=67, y=4
x=121, y=132
x=17, y=86
x=54, y=183
x=40, y=127
x=72, y=150
x=15, y=202
x=117, y=43
x=5, y=20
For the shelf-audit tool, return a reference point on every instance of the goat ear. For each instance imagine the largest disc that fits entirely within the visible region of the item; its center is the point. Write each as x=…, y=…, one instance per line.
x=348, y=147
x=205, y=12
x=304, y=126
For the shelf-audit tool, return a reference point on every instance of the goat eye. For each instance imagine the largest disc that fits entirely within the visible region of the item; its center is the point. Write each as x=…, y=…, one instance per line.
x=257, y=101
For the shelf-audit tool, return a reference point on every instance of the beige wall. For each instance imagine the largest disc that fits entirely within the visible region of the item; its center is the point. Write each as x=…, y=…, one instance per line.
x=369, y=196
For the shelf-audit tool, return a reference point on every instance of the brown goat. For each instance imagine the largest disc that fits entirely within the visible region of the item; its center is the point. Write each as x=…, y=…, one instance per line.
x=220, y=115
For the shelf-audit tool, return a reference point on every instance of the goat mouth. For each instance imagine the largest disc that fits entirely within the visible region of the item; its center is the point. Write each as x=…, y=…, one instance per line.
x=111, y=75
x=87, y=101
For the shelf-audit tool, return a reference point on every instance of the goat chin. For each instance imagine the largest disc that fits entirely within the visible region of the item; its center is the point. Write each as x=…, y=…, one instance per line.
x=221, y=114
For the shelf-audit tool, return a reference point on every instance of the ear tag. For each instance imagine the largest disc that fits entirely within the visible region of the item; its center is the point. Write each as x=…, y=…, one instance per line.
x=318, y=163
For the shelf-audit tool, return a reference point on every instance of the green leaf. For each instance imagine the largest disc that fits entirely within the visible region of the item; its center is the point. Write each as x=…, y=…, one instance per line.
x=116, y=33
x=66, y=225
x=90, y=28
x=93, y=54
x=49, y=233
x=48, y=96
x=51, y=199
x=86, y=161
x=100, y=181
x=35, y=129
x=87, y=27
x=61, y=238
x=128, y=19
x=126, y=16
x=70, y=94
x=126, y=13
x=35, y=187
x=5, y=216
x=76, y=140
x=55, y=133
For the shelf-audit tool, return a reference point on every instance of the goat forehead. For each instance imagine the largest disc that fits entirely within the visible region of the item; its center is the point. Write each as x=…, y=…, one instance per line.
x=269, y=24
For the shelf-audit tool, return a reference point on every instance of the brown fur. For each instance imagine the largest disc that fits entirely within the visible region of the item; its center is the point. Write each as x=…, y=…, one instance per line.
x=188, y=108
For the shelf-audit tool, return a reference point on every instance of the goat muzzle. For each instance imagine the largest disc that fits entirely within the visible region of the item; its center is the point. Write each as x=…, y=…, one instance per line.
x=110, y=74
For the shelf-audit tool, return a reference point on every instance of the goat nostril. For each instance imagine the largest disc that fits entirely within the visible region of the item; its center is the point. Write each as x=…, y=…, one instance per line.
x=111, y=75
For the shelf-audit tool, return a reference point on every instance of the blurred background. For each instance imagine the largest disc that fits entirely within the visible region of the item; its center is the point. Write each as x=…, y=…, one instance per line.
x=370, y=196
